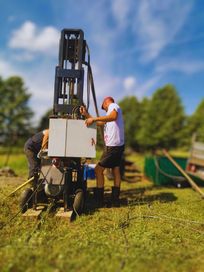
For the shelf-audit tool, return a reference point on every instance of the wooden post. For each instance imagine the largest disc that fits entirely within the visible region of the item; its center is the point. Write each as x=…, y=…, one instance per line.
x=189, y=179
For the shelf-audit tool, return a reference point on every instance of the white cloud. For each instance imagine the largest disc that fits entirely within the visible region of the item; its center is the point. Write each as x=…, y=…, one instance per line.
x=147, y=25
x=32, y=39
x=129, y=83
x=105, y=84
x=121, y=9
x=42, y=95
x=41, y=87
x=40, y=83
x=152, y=23
x=6, y=68
x=23, y=57
x=184, y=66
x=146, y=87
x=139, y=89
x=118, y=87
x=157, y=23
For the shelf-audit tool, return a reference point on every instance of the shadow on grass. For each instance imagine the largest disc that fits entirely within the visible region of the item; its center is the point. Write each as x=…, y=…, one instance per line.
x=131, y=197
x=140, y=197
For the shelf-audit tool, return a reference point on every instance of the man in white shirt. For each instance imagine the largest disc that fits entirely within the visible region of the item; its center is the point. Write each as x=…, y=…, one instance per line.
x=114, y=142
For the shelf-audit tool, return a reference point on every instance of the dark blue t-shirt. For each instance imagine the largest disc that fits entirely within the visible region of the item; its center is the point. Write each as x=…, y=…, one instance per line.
x=35, y=142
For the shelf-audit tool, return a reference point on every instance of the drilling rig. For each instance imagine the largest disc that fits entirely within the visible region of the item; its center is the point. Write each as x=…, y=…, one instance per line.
x=62, y=177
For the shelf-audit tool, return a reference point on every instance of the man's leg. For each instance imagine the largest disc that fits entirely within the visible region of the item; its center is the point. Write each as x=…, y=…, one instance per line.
x=99, y=176
x=116, y=188
x=116, y=175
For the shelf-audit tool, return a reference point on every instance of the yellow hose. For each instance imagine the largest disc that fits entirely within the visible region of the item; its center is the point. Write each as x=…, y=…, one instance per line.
x=21, y=186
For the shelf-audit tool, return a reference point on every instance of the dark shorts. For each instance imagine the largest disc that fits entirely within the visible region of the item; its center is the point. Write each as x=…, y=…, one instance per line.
x=112, y=156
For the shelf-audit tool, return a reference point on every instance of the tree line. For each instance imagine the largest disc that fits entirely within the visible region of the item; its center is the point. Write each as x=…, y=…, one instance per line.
x=15, y=112
x=161, y=121
x=156, y=122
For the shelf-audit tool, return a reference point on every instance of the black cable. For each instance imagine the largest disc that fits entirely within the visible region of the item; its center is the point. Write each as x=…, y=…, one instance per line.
x=93, y=89
x=95, y=102
x=91, y=82
x=88, y=78
x=75, y=108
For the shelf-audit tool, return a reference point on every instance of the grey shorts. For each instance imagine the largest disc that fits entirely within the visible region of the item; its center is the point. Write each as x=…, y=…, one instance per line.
x=112, y=156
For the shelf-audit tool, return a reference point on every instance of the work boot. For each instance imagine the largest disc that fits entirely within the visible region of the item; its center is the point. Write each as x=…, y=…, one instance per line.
x=99, y=196
x=115, y=201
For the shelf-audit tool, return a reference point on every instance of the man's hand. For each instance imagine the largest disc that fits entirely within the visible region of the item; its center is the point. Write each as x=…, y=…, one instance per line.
x=89, y=121
x=83, y=111
x=39, y=155
x=42, y=153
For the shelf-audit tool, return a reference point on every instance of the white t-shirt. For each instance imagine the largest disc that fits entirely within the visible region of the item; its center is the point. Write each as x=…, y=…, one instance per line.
x=114, y=130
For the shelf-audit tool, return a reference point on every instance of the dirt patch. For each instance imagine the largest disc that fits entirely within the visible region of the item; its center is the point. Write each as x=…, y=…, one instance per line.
x=4, y=181
x=7, y=172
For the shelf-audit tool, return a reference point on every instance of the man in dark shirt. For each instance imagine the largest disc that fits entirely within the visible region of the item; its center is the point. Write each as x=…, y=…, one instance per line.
x=33, y=148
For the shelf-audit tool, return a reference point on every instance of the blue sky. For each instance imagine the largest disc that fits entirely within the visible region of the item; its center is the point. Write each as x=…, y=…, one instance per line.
x=136, y=46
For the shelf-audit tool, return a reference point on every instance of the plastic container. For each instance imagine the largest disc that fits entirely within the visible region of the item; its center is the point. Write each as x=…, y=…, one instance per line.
x=89, y=172
x=161, y=171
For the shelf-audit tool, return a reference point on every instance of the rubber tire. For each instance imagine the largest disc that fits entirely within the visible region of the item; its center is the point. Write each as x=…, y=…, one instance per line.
x=24, y=199
x=78, y=204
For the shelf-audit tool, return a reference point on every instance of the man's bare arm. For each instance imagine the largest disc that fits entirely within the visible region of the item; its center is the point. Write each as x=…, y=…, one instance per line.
x=108, y=118
x=101, y=120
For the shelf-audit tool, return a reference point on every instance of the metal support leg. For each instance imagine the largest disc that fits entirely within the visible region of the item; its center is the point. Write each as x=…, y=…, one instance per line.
x=67, y=185
x=35, y=184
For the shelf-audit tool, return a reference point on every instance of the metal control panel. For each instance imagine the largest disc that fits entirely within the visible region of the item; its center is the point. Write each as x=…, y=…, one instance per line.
x=71, y=138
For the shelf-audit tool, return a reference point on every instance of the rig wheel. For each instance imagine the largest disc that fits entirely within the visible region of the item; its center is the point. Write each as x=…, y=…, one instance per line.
x=26, y=201
x=78, y=204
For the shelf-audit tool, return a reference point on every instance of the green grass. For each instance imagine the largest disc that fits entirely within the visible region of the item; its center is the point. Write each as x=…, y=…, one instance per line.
x=155, y=229
x=17, y=162
x=137, y=158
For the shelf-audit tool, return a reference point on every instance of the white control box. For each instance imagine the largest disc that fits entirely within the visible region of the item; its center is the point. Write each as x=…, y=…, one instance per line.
x=71, y=138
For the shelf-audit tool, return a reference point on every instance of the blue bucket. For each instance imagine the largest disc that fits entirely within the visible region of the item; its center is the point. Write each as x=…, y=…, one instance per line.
x=89, y=171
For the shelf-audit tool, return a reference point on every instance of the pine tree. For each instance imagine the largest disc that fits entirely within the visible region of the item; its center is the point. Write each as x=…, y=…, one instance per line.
x=196, y=122
x=131, y=113
x=163, y=121
x=15, y=114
